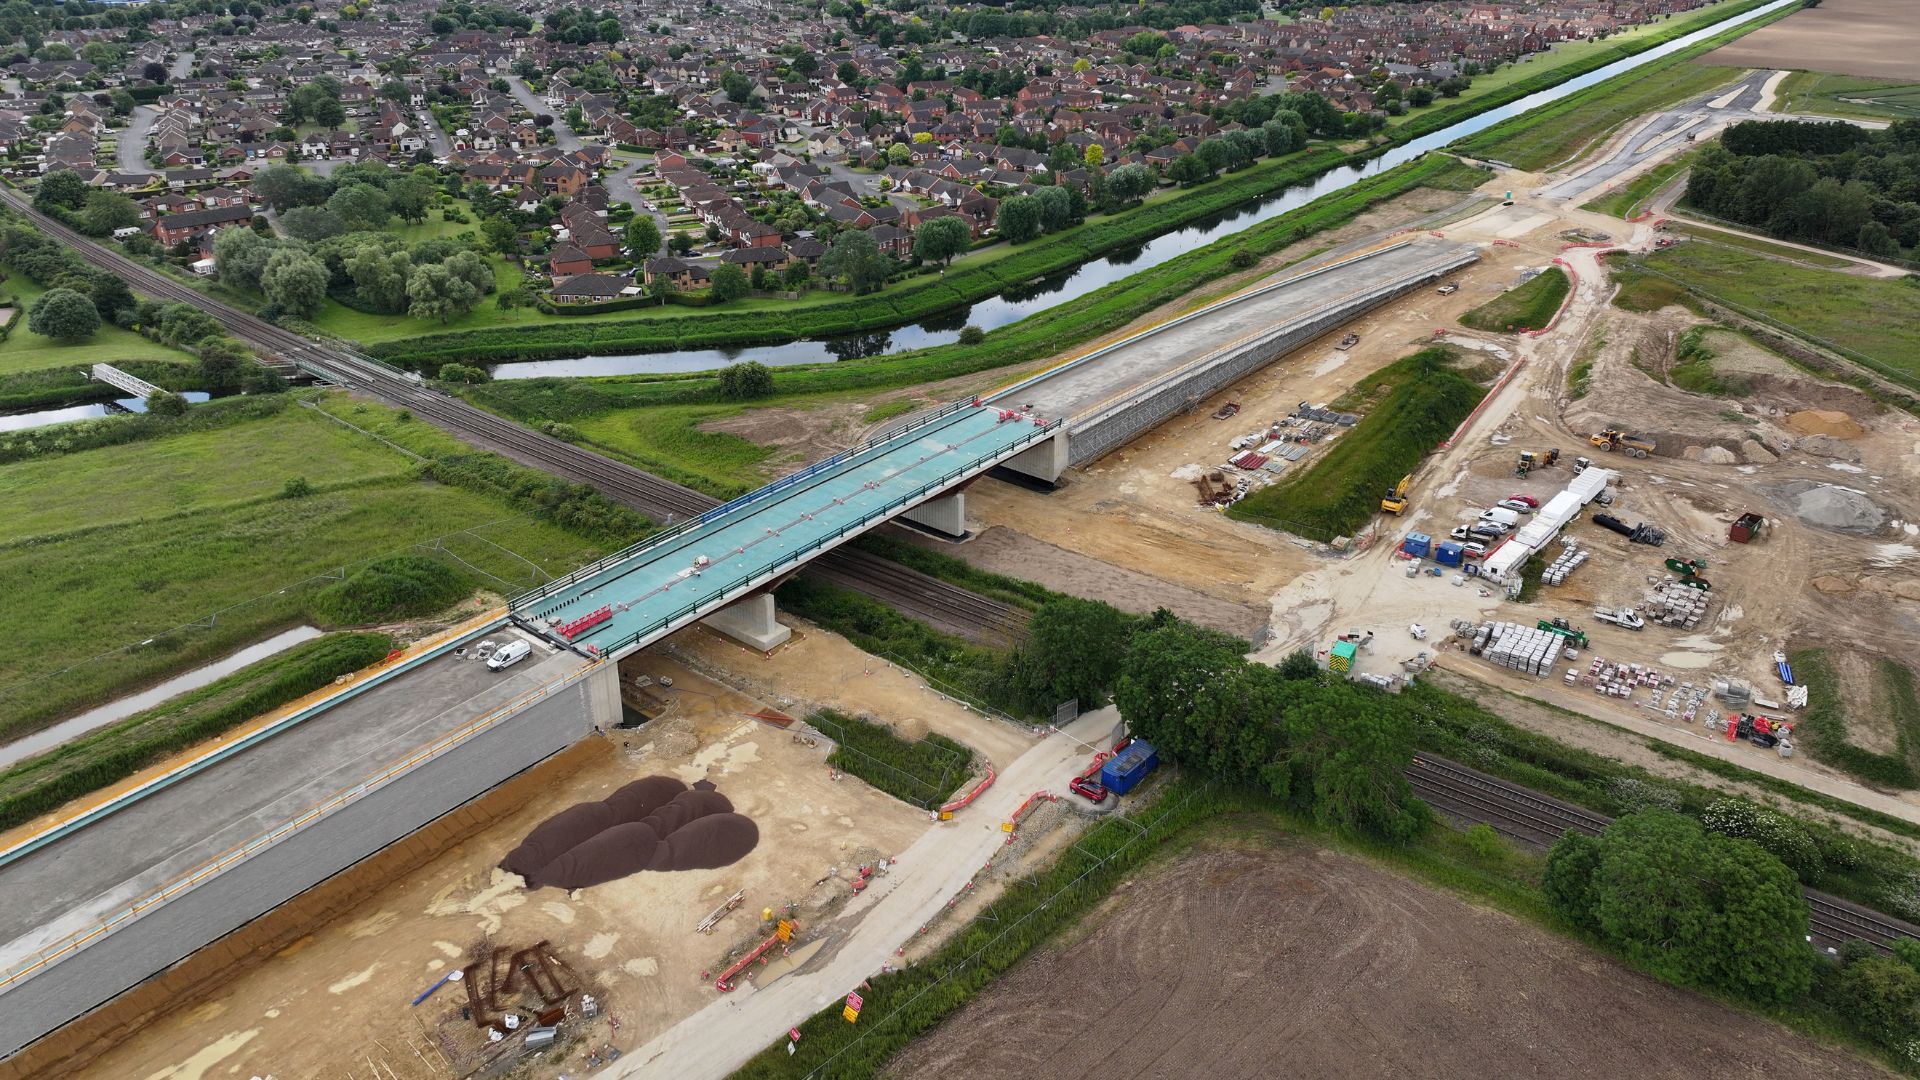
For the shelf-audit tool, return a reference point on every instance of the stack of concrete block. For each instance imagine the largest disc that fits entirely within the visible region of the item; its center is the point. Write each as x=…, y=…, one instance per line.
x=1672, y=604
x=1522, y=648
x=1569, y=561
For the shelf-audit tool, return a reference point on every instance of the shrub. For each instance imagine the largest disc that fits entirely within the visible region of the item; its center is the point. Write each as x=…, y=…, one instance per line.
x=296, y=488
x=972, y=335
x=740, y=382
x=404, y=586
x=463, y=373
x=923, y=772
x=1242, y=259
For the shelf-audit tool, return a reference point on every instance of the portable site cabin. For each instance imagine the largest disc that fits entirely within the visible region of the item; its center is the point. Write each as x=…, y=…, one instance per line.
x=1124, y=771
x=1341, y=658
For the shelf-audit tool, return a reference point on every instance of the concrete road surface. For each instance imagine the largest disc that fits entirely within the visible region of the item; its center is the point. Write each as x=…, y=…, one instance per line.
x=721, y=1037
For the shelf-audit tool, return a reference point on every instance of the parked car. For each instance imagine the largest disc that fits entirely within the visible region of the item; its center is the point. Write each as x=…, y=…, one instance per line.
x=1088, y=788
x=1474, y=549
x=1449, y=288
x=1516, y=506
x=1486, y=531
x=1531, y=502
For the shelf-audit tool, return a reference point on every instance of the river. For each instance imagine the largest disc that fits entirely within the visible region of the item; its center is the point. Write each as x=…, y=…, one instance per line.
x=1017, y=304
x=43, y=417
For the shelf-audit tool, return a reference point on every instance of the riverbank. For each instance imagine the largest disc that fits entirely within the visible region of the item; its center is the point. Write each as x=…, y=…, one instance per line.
x=653, y=331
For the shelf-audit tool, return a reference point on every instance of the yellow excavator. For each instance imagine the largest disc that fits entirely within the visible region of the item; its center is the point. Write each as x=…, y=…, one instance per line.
x=1395, y=500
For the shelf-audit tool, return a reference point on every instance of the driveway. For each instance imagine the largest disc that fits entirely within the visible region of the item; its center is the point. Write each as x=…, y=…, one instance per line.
x=563, y=135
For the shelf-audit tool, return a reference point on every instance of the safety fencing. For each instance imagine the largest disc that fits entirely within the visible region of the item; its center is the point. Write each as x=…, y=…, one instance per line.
x=123, y=917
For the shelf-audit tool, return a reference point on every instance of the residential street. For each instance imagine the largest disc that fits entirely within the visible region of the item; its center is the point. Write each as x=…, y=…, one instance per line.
x=130, y=142
x=721, y=1037
x=563, y=135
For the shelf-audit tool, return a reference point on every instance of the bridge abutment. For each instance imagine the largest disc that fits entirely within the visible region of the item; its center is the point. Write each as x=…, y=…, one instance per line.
x=946, y=515
x=603, y=696
x=1044, y=461
x=748, y=620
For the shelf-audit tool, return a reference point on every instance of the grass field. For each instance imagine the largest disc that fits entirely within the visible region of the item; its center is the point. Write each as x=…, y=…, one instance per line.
x=1849, y=96
x=1626, y=202
x=1564, y=130
x=1525, y=307
x=28, y=351
x=1762, y=247
x=668, y=439
x=1877, y=317
x=187, y=549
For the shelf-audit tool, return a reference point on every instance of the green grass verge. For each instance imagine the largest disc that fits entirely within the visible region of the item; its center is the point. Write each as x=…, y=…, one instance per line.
x=1580, y=122
x=1874, y=320
x=113, y=753
x=1528, y=306
x=1702, y=234
x=133, y=562
x=627, y=417
x=923, y=772
x=1694, y=370
x=887, y=410
x=1850, y=97
x=24, y=350
x=1626, y=201
x=1341, y=491
x=1823, y=729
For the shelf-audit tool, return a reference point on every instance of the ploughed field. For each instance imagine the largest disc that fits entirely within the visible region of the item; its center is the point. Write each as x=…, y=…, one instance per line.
x=1271, y=957
x=1879, y=38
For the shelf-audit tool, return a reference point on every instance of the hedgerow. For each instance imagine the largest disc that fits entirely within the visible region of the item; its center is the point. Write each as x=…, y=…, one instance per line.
x=404, y=586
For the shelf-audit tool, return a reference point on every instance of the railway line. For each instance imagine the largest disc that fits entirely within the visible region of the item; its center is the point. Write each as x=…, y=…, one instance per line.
x=946, y=605
x=1538, y=820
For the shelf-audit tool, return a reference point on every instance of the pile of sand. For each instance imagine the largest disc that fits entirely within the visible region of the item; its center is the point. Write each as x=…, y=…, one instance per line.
x=1825, y=422
x=1830, y=507
x=1711, y=455
x=1756, y=452
x=655, y=823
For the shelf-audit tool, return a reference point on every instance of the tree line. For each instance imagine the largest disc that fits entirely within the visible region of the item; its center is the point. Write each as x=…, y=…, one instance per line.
x=1831, y=182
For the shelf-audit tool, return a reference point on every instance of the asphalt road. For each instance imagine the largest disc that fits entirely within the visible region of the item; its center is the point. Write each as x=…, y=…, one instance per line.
x=69, y=885
x=131, y=141
x=563, y=136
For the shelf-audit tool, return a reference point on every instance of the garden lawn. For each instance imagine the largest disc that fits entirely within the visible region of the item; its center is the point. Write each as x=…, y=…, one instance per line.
x=1877, y=317
x=27, y=351
x=183, y=473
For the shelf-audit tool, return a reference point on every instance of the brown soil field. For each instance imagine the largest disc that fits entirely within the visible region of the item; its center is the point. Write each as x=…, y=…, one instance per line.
x=1876, y=38
x=1267, y=956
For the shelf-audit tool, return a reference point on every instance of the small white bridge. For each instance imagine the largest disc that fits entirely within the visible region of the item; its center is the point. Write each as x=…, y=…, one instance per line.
x=114, y=377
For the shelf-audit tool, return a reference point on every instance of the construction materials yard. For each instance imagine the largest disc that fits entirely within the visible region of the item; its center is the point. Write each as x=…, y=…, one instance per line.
x=1254, y=952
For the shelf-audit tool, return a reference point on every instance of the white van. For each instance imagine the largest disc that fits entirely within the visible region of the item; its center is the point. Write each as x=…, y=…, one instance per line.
x=1505, y=517
x=508, y=655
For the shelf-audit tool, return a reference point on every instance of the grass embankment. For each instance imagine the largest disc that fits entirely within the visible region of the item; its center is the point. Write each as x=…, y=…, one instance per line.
x=1704, y=235
x=1527, y=306
x=1579, y=123
x=923, y=772
x=185, y=538
x=1424, y=400
x=1875, y=321
x=1627, y=201
x=23, y=350
x=1693, y=367
x=113, y=753
x=651, y=420
x=1850, y=97
x=1823, y=730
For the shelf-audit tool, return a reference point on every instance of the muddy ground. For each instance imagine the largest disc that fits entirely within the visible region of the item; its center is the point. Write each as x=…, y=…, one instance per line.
x=1267, y=956
x=631, y=942
x=1875, y=38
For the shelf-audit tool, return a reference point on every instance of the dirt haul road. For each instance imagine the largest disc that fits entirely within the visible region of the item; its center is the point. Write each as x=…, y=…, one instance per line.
x=935, y=868
x=1268, y=957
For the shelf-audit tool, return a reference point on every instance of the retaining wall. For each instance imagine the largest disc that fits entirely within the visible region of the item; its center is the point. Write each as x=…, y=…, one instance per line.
x=1179, y=391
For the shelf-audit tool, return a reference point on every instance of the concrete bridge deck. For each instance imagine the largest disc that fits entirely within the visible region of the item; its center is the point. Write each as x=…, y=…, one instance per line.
x=639, y=595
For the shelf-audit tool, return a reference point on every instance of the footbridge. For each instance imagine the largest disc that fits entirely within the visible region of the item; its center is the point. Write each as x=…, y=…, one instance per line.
x=721, y=565
x=120, y=380
x=1118, y=392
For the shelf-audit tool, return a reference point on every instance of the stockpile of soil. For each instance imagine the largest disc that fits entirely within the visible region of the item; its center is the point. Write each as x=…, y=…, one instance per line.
x=655, y=823
x=1825, y=422
x=1828, y=506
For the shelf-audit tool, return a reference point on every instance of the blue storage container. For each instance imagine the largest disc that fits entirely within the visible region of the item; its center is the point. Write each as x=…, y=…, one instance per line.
x=1124, y=771
x=1418, y=545
x=1448, y=554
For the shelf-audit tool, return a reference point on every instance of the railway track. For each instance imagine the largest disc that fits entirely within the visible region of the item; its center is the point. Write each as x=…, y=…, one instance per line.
x=946, y=605
x=1538, y=820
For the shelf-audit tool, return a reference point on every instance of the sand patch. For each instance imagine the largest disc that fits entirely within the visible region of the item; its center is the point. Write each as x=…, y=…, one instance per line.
x=358, y=978
x=199, y=1064
x=1825, y=422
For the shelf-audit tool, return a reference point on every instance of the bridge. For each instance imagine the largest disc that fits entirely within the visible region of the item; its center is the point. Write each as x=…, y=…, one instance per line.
x=120, y=380
x=735, y=551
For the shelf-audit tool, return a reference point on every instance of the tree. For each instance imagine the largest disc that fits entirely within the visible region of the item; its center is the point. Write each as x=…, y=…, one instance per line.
x=165, y=403
x=106, y=211
x=1188, y=169
x=1879, y=996
x=434, y=292
x=380, y=277
x=1351, y=751
x=1094, y=154
x=1019, y=219
x=471, y=268
x=1217, y=153
x=1420, y=96
x=500, y=235
x=462, y=373
x=745, y=380
x=899, y=154
x=311, y=223
x=1074, y=650
x=805, y=65
x=1145, y=43
x=847, y=73
x=360, y=207
x=1128, y=183
x=240, y=256
x=1056, y=208
x=64, y=315
x=154, y=72
x=855, y=259
x=680, y=243
x=284, y=187
x=408, y=198
x=643, y=236
x=61, y=189
x=938, y=240
x=223, y=363
x=729, y=283
x=295, y=282
x=737, y=86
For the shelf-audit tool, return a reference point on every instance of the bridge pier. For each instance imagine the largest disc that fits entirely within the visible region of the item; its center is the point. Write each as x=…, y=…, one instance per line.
x=603, y=696
x=1043, y=461
x=946, y=515
x=748, y=620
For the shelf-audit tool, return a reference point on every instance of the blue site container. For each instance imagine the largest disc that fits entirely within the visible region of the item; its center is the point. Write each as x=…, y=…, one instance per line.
x=1449, y=554
x=1418, y=545
x=1124, y=771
